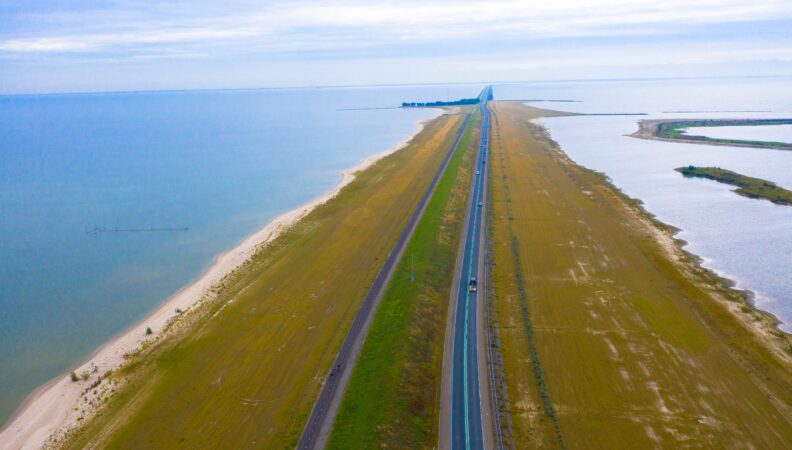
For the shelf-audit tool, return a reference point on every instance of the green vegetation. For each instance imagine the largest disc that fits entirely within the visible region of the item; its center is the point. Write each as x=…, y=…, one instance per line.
x=148, y=331
x=747, y=186
x=460, y=102
x=676, y=130
x=393, y=396
x=611, y=336
x=243, y=369
x=74, y=377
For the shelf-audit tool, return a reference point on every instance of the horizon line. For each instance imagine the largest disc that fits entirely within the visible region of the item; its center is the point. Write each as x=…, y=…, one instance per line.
x=386, y=85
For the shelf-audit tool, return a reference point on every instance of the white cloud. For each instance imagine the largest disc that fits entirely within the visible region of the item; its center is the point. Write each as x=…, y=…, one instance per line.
x=98, y=41
x=146, y=44
x=296, y=26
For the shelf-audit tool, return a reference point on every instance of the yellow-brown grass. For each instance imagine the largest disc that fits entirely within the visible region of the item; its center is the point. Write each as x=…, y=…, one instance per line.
x=247, y=370
x=618, y=339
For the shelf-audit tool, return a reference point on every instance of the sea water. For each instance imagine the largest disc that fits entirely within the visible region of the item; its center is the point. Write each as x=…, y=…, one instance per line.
x=746, y=240
x=211, y=166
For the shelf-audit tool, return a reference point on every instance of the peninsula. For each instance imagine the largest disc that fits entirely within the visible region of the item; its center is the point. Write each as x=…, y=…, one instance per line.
x=673, y=130
x=746, y=186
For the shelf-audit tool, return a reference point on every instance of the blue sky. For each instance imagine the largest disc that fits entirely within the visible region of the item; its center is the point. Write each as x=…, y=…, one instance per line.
x=60, y=46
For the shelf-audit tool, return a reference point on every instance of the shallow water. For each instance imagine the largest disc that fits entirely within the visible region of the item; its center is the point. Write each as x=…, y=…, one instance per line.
x=746, y=240
x=769, y=133
x=220, y=163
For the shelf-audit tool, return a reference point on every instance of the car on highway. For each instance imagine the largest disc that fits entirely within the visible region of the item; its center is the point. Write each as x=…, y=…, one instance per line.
x=472, y=285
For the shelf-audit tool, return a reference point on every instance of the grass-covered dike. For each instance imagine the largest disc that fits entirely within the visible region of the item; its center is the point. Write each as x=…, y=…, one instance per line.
x=611, y=335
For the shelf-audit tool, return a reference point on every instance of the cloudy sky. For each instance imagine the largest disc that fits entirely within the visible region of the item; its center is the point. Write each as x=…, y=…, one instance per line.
x=80, y=45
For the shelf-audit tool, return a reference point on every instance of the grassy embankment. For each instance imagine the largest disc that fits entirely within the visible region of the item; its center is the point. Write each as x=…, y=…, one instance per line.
x=612, y=337
x=678, y=129
x=747, y=186
x=393, y=395
x=244, y=370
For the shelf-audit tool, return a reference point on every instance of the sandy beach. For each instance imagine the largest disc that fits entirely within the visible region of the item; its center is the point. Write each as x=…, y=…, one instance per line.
x=52, y=409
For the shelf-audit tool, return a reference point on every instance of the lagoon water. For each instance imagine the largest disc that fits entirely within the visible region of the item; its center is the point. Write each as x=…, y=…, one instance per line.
x=770, y=133
x=219, y=163
x=746, y=240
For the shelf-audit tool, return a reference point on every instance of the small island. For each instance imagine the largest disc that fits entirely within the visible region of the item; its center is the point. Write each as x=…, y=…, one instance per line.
x=460, y=102
x=674, y=130
x=747, y=186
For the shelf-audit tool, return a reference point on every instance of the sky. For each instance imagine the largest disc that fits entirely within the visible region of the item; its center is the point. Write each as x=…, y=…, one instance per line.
x=119, y=45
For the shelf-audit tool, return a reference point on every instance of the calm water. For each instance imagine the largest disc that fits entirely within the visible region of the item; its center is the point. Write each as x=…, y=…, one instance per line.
x=747, y=240
x=220, y=163
x=772, y=133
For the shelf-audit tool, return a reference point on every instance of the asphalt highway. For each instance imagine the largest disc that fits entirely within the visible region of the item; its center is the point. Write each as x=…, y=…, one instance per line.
x=466, y=417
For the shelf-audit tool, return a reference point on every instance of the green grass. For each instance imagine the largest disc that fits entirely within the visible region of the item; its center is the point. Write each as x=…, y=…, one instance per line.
x=393, y=397
x=244, y=370
x=611, y=336
x=747, y=186
x=677, y=130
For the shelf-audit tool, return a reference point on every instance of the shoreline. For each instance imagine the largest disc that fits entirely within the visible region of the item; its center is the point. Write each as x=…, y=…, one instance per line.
x=767, y=321
x=50, y=408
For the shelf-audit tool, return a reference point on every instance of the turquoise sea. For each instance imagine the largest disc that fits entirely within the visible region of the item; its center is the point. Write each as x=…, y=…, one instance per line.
x=219, y=163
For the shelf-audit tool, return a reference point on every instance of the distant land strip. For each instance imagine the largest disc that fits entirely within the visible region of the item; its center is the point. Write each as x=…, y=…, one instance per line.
x=367, y=109
x=672, y=130
x=536, y=100
x=460, y=102
x=614, y=114
x=747, y=186
x=685, y=111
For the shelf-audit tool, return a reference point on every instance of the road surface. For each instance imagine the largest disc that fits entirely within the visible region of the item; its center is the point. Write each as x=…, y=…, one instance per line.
x=320, y=422
x=467, y=424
